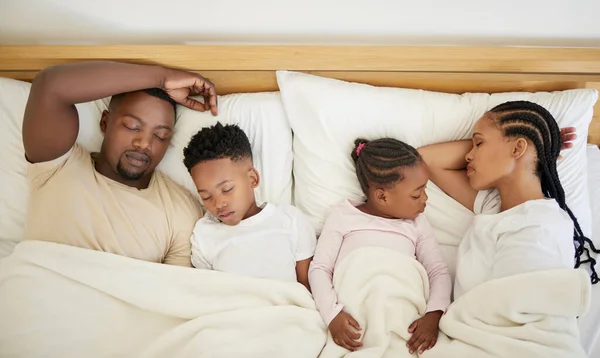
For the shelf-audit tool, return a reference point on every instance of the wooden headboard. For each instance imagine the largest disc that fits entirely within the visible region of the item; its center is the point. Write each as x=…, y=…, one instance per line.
x=251, y=68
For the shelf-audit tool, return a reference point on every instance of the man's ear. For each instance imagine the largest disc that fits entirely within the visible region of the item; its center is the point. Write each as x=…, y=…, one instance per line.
x=104, y=121
x=254, y=178
x=519, y=148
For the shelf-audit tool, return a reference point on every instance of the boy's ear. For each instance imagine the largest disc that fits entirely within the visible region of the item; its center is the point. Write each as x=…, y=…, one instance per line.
x=254, y=178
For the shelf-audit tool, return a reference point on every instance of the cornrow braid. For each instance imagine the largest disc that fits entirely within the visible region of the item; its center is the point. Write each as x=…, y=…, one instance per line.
x=534, y=122
x=379, y=161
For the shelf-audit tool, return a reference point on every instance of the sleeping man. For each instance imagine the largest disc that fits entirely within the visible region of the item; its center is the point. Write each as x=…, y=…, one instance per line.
x=114, y=200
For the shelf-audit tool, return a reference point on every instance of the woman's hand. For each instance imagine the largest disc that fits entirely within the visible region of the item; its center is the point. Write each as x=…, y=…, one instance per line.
x=567, y=136
x=344, y=330
x=424, y=332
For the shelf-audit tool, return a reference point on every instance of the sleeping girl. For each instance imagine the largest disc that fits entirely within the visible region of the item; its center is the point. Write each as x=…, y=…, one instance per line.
x=237, y=235
x=393, y=177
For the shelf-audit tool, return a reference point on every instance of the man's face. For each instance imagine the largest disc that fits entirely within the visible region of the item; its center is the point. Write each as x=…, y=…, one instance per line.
x=137, y=130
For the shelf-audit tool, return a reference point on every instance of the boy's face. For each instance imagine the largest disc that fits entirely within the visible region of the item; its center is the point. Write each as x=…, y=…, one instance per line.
x=226, y=188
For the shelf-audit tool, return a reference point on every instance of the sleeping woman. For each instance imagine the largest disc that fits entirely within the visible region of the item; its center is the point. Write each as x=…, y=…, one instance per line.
x=507, y=176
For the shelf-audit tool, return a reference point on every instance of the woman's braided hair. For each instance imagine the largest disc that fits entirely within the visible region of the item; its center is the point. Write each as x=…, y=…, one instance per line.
x=379, y=161
x=534, y=122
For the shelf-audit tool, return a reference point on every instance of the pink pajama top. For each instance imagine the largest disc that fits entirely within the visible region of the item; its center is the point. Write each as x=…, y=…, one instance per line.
x=347, y=228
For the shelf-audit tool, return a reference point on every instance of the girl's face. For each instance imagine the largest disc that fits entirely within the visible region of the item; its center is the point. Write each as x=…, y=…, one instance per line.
x=493, y=157
x=407, y=198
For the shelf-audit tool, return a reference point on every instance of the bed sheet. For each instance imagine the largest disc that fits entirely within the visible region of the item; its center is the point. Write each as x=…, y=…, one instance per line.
x=589, y=325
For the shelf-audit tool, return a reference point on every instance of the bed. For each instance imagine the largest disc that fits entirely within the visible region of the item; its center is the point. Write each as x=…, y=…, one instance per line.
x=251, y=74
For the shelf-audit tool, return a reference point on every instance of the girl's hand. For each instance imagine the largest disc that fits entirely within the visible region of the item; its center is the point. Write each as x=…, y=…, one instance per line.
x=424, y=332
x=344, y=329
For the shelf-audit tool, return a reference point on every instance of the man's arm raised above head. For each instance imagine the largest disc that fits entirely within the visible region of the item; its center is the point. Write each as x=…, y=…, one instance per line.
x=51, y=123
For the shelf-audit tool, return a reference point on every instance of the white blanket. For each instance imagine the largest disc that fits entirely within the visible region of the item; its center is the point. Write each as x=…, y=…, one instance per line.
x=61, y=301
x=529, y=315
x=385, y=291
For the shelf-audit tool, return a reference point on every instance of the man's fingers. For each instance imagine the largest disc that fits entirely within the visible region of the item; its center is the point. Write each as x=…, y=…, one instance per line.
x=209, y=92
x=193, y=104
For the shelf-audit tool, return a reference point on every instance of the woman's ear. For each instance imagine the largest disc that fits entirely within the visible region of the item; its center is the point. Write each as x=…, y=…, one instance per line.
x=254, y=177
x=519, y=148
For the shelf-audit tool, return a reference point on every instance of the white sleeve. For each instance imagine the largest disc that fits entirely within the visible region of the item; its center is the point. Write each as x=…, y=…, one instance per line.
x=487, y=202
x=306, y=239
x=531, y=248
x=200, y=258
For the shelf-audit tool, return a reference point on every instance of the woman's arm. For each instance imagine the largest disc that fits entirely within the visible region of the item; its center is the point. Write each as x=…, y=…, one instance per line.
x=447, y=168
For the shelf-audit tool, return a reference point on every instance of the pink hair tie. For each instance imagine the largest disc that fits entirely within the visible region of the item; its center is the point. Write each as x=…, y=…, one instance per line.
x=359, y=148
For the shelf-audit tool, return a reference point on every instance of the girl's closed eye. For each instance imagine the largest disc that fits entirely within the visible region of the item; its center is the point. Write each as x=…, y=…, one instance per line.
x=416, y=197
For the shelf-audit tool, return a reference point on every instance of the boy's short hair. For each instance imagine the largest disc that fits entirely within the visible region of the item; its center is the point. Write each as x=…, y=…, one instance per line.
x=217, y=142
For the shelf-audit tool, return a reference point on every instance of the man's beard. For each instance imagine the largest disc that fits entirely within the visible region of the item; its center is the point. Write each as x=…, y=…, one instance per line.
x=127, y=175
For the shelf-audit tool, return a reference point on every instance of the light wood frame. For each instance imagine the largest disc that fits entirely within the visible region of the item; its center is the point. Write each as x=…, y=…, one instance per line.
x=251, y=68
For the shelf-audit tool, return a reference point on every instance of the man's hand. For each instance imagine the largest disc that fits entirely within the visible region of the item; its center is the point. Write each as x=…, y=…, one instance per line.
x=344, y=329
x=180, y=85
x=567, y=136
x=424, y=332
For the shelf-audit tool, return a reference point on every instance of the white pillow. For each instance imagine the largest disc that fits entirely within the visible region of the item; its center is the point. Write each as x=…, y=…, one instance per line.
x=327, y=115
x=13, y=169
x=260, y=115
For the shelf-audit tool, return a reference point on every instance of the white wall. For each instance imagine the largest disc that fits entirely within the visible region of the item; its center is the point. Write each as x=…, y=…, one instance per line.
x=394, y=22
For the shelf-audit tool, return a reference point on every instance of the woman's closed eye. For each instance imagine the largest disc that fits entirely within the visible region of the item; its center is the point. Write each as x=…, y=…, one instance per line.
x=206, y=198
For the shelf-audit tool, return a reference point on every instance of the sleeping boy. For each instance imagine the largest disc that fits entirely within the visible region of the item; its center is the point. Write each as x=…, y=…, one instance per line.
x=237, y=235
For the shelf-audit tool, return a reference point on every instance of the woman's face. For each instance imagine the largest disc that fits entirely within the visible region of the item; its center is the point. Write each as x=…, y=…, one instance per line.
x=492, y=157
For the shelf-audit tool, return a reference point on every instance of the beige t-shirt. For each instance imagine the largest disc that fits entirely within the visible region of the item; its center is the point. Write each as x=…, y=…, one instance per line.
x=71, y=203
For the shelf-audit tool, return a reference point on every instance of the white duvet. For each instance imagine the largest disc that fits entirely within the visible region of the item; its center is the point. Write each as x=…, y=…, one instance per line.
x=62, y=301
x=529, y=315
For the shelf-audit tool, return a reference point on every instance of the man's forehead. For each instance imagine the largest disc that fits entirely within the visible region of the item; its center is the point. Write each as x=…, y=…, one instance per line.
x=145, y=108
